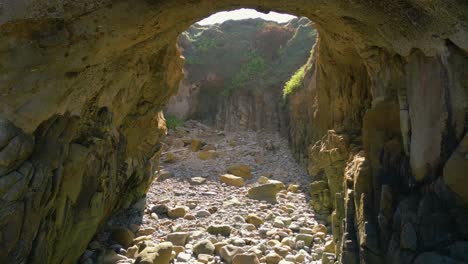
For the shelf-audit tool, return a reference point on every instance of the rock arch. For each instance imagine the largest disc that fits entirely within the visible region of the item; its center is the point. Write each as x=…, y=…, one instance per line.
x=83, y=83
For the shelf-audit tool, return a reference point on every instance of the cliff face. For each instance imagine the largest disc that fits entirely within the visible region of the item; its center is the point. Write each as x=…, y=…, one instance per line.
x=235, y=71
x=83, y=84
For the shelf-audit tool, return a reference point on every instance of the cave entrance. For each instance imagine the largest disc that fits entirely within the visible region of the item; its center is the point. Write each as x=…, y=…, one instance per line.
x=84, y=84
x=224, y=163
x=226, y=173
x=236, y=69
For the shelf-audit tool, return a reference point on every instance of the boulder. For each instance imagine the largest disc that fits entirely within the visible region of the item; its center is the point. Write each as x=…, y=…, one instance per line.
x=241, y=170
x=254, y=219
x=132, y=252
x=164, y=175
x=202, y=213
x=176, y=212
x=159, y=254
x=308, y=239
x=197, y=180
x=196, y=144
x=245, y=258
x=232, y=180
x=279, y=184
x=146, y=231
x=329, y=246
x=218, y=246
x=263, y=180
x=207, y=154
x=205, y=258
x=328, y=258
x=293, y=188
x=228, y=252
x=266, y=192
x=160, y=209
x=204, y=247
x=223, y=230
x=273, y=258
x=319, y=228
x=178, y=238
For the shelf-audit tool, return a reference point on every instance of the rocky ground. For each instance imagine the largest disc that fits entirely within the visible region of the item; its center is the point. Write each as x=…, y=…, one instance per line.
x=219, y=197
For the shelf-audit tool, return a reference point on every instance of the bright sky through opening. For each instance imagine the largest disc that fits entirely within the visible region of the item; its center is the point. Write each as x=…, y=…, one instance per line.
x=244, y=13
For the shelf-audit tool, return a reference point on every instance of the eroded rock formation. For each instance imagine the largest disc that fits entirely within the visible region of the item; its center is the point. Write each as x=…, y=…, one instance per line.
x=83, y=84
x=235, y=71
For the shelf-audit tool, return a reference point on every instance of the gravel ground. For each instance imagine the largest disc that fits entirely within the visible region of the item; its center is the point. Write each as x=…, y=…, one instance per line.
x=190, y=188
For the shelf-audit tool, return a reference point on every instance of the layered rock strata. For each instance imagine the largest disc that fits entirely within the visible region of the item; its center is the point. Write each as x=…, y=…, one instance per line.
x=83, y=84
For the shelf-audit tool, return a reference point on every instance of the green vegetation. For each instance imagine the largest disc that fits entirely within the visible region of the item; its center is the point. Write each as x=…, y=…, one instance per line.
x=254, y=68
x=294, y=83
x=293, y=52
x=172, y=122
x=207, y=44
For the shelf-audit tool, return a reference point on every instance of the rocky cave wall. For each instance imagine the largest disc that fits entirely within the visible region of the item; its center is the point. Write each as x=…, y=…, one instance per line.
x=382, y=123
x=234, y=72
x=389, y=172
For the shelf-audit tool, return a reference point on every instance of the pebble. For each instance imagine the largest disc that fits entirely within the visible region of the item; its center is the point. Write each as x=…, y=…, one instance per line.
x=208, y=221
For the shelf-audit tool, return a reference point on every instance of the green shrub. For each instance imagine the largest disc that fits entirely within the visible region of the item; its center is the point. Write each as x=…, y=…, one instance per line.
x=172, y=122
x=254, y=68
x=294, y=83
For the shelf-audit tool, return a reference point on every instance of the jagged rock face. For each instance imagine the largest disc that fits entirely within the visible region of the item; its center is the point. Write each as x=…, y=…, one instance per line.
x=83, y=84
x=235, y=71
x=392, y=155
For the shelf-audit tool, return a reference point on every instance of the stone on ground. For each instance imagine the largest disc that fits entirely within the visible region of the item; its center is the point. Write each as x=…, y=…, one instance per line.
x=207, y=154
x=146, y=231
x=328, y=258
x=196, y=144
x=183, y=257
x=293, y=188
x=197, y=180
x=232, y=180
x=266, y=192
x=308, y=239
x=176, y=212
x=228, y=252
x=160, y=254
x=241, y=170
x=254, y=220
x=204, y=247
x=178, y=238
x=245, y=258
x=273, y=258
x=160, y=209
x=224, y=230
x=164, y=175
x=205, y=258
x=329, y=247
x=263, y=180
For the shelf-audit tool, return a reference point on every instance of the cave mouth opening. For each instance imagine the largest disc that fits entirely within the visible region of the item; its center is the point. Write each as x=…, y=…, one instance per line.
x=70, y=166
x=226, y=163
x=239, y=68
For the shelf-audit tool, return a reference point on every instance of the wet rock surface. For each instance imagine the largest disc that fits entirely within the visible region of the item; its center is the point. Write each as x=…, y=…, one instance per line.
x=217, y=222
